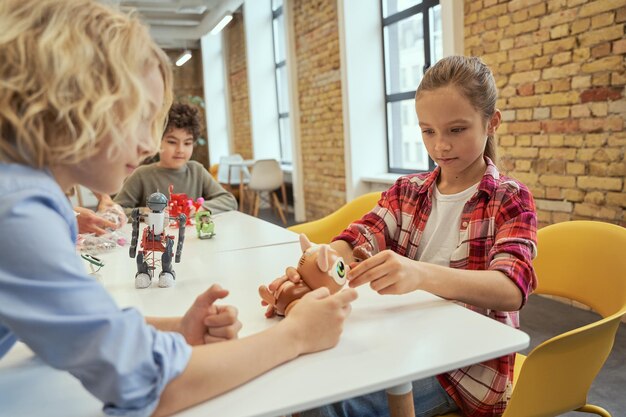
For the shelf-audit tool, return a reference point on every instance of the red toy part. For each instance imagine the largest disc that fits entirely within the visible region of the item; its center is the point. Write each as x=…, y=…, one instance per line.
x=180, y=203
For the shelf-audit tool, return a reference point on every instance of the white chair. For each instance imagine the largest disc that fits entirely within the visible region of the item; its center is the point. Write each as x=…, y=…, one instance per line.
x=232, y=174
x=267, y=176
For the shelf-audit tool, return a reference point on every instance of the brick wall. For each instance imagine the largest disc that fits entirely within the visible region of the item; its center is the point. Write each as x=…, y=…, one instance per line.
x=559, y=66
x=235, y=40
x=188, y=82
x=320, y=101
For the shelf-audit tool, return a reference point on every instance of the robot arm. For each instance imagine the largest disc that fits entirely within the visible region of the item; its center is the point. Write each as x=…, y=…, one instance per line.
x=182, y=220
x=135, y=217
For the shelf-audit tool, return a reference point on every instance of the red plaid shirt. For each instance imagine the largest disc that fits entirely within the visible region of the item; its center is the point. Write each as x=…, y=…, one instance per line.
x=497, y=232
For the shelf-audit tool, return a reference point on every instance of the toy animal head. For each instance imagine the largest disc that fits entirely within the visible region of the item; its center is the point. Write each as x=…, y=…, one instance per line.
x=321, y=266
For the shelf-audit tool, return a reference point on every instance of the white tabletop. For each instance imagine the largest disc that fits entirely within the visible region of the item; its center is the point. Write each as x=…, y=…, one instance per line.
x=387, y=340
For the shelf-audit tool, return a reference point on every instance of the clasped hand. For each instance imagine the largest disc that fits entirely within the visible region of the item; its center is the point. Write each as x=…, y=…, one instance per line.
x=207, y=322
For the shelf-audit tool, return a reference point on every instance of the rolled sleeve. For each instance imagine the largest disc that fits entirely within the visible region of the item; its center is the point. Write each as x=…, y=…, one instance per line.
x=69, y=320
x=513, y=251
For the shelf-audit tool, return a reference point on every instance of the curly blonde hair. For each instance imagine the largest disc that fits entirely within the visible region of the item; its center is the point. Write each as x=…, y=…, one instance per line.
x=70, y=75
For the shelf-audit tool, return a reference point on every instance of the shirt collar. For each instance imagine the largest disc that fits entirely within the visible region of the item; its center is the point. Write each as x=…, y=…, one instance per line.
x=488, y=183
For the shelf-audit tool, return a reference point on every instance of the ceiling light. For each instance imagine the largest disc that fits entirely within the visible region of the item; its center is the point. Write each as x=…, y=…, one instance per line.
x=184, y=57
x=222, y=23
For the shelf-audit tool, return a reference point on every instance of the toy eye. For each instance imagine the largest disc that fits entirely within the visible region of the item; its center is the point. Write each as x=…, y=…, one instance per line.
x=341, y=269
x=338, y=272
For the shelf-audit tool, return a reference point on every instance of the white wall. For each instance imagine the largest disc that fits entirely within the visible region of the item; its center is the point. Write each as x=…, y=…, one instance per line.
x=216, y=97
x=261, y=79
x=362, y=82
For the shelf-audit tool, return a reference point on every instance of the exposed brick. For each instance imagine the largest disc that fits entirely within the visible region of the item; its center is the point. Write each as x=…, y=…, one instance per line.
x=557, y=180
x=601, y=50
x=567, y=70
x=580, y=25
x=540, y=113
x=560, y=45
x=526, y=89
x=562, y=58
x=570, y=97
x=601, y=94
x=558, y=153
x=619, y=47
x=583, y=81
x=599, y=6
x=560, y=112
x=599, y=183
x=554, y=19
x=610, y=63
x=550, y=205
x=575, y=168
x=602, y=20
x=524, y=127
x=601, y=35
x=560, y=126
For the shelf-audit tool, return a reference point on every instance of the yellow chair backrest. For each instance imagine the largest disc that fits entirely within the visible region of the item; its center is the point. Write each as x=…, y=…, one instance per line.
x=326, y=228
x=583, y=261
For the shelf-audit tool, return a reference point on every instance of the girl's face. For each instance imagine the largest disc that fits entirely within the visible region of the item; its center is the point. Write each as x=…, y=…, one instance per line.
x=104, y=173
x=454, y=134
x=176, y=148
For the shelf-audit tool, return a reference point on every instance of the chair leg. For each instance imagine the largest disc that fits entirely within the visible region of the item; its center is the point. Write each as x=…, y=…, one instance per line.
x=280, y=209
x=284, y=195
x=594, y=409
x=257, y=203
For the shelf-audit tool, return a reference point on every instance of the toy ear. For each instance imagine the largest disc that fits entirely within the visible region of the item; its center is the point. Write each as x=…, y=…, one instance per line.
x=305, y=243
x=322, y=258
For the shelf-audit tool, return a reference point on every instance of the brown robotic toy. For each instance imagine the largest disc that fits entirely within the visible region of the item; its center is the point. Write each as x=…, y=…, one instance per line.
x=319, y=266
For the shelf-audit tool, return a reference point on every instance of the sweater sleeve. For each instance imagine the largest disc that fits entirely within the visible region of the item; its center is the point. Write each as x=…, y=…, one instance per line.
x=217, y=199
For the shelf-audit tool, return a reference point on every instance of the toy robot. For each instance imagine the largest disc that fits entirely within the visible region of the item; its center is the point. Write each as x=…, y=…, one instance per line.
x=155, y=239
x=204, y=225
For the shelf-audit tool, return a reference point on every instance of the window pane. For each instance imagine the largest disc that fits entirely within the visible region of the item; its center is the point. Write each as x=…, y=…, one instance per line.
x=406, y=148
x=436, y=43
x=404, y=54
x=285, y=139
x=279, y=38
x=276, y=4
x=282, y=87
x=394, y=6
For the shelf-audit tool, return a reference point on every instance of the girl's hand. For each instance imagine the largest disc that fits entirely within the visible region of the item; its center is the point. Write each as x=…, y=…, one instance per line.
x=206, y=322
x=317, y=319
x=291, y=274
x=387, y=273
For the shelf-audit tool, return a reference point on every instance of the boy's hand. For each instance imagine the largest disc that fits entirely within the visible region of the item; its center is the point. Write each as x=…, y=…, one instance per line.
x=387, y=273
x=206, y=322
x=317, y=319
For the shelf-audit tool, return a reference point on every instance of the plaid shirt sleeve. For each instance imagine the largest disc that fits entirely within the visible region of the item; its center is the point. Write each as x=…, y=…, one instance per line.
x=515, y=242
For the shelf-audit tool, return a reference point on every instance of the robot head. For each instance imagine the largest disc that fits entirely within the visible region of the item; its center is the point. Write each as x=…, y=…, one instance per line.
x=157, y=202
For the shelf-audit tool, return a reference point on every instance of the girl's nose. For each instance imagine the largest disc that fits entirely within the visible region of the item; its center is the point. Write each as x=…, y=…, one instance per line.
x=442, y=144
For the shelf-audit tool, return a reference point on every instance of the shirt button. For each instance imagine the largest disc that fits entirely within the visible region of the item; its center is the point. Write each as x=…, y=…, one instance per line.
x=464, y=224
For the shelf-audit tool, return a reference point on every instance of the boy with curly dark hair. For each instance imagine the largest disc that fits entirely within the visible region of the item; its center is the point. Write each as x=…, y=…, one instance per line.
x=175, y=167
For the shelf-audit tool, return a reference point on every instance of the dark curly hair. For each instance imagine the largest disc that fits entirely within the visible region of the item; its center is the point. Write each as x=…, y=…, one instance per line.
x=186, y=117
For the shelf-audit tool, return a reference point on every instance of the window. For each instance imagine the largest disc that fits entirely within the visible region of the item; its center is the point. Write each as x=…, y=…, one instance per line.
x=411, y=42
x=282, y=91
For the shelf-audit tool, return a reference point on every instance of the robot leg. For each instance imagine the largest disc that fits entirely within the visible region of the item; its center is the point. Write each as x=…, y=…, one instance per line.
x=143, y=277
x=167, y=277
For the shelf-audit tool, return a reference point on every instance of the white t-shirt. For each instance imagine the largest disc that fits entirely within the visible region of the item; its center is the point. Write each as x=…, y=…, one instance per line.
x=441, y=234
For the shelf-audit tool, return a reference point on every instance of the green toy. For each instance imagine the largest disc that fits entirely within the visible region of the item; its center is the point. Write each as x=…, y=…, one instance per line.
x=204, y=225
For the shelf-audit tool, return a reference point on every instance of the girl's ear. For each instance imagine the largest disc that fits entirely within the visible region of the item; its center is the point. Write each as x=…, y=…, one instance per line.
x=494, y=122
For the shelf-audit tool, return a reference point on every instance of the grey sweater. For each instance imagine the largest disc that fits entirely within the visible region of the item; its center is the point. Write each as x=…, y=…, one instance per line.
x=192, y=179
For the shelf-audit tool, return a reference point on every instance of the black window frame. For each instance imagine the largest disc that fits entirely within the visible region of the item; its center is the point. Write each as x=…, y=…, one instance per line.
x=276, y=13
x=424, y=8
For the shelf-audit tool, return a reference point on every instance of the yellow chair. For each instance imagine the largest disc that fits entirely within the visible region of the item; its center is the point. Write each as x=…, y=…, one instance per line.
x=326, y=228
x=213, y=170
x=583, y=261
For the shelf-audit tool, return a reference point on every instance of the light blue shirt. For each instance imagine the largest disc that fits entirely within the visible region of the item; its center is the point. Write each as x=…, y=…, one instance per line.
x=49, y=302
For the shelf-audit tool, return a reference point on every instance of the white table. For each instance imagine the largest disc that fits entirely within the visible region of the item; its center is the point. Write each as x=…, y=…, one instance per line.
x=387, y=341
